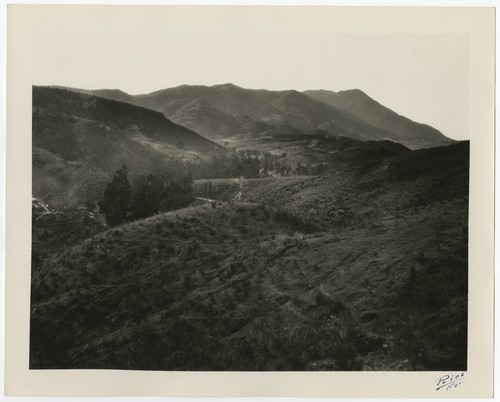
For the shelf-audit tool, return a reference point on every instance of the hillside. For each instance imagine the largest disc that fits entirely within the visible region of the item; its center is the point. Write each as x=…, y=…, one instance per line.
x=80, y=139
x=198, y=115
x=113, y=94
x=215, y=112
x=412, y=134
x=364, y=268
x=228, y=98
x=53, y=230
x=333, y=152
x=99, y=122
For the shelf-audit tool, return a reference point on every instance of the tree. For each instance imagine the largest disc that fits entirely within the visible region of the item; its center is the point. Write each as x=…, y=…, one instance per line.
x=300, y=170
x=153, y=193
x=147, y=194
x=114, y=204
x=318, y=170
x=178, y=193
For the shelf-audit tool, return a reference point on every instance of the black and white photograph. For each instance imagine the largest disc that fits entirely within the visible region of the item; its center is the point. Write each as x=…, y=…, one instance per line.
x=219, y=227
x=229, y=194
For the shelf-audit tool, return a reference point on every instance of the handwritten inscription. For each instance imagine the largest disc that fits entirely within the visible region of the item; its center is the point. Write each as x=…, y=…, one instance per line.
x=450, y=381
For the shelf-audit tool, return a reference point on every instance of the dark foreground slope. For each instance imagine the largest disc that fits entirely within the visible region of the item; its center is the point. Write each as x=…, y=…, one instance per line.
x=365, y=269
x=54, y=230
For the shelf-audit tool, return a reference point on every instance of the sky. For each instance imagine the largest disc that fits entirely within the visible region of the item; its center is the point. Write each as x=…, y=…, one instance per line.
x=404, y=61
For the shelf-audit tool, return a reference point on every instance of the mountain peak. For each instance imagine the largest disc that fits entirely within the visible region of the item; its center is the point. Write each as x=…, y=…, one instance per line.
x=227, y=85
x=354, y=92
x=292, y=94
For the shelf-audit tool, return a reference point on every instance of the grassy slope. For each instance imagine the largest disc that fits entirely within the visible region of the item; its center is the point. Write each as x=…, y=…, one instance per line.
x=336, y=152
x=79, y=140
x=64, y=184
x=54, y=230
x=107, y=118
x=364, y=269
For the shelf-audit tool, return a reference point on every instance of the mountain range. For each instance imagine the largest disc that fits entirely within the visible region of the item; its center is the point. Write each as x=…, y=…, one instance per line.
x=224, y=111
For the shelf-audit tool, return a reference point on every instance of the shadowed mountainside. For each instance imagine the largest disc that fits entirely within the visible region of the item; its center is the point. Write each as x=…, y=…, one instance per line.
x=79, y=139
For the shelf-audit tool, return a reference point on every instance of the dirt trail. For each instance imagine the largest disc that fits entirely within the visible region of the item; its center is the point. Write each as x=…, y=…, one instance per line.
x=209, y=200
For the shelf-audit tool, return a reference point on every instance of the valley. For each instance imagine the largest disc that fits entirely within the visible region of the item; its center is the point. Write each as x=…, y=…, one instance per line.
x=323, y=251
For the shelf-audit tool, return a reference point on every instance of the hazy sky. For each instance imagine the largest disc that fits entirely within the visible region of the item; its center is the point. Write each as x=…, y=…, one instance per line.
x=422, y=75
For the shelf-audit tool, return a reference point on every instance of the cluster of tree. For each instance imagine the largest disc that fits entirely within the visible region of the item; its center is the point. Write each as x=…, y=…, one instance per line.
x=153, y=193
x=310, y=170
x=252, y=164
x=147, y=195
x=235, y=164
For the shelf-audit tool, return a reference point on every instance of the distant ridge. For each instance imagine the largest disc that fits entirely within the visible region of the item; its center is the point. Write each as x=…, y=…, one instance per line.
x=358, y=103
x=214, y=111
